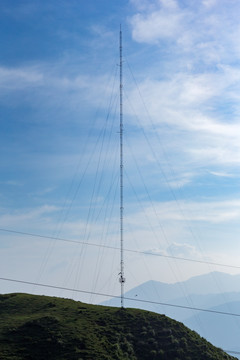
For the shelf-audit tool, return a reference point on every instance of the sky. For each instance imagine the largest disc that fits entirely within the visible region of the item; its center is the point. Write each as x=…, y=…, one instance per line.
x=59, y=143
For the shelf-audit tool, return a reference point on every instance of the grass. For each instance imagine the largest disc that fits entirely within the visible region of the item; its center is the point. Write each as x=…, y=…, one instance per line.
x=42, y=327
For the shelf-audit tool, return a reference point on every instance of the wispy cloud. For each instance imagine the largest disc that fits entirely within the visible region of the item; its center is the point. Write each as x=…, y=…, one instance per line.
x=184, y=250
x=152, y=26
x=18, y=78
x=221, y=174
x=26, y=218
x=11, y=183
x=211, y=212
x=55, y=85
x=198, y=92
x=209, y=3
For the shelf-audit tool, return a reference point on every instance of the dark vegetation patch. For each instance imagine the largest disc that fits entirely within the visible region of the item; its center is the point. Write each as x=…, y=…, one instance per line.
x=42, y=327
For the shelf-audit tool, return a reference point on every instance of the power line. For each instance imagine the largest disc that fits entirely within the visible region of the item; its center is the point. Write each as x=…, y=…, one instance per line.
x=116, y=296
x=116, y=248
x=232, y=352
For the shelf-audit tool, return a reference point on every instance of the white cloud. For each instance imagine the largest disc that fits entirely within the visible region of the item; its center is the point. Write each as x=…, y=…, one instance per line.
x=41, y=75
x=16, y=78
x=142, y=5
x=26, y=218
x=69, y=93
x=212, y=212
x=158, y=24
x=201, y=31
x=184, y=250
x=102, y=32
x=183, y=180
x=204, y=107
x=221, y=174
x=209, y=3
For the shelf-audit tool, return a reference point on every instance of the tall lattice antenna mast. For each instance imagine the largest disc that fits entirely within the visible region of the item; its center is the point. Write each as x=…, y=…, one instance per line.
x=121, y=279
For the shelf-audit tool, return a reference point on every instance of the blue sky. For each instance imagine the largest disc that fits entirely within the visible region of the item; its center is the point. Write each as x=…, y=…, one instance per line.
x=60, y=144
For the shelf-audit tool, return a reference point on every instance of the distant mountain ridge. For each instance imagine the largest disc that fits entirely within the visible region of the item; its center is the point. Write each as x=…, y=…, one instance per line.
x=42, y=327
x=211, y=291
x=215, y=284
x=219, y=329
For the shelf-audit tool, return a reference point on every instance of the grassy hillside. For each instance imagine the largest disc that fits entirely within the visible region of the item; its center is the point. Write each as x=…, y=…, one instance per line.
x=42, y=327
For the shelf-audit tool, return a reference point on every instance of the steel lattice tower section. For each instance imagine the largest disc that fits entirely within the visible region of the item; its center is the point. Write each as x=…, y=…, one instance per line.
x=122, y=278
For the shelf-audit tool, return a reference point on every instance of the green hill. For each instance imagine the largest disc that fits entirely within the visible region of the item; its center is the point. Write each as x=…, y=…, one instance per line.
x=42, y=327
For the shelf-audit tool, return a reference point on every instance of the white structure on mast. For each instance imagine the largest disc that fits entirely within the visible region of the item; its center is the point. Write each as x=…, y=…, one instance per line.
x=122, y=278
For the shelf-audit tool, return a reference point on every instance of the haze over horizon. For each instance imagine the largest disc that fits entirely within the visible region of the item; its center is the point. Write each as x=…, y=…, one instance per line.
x=59, y=143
